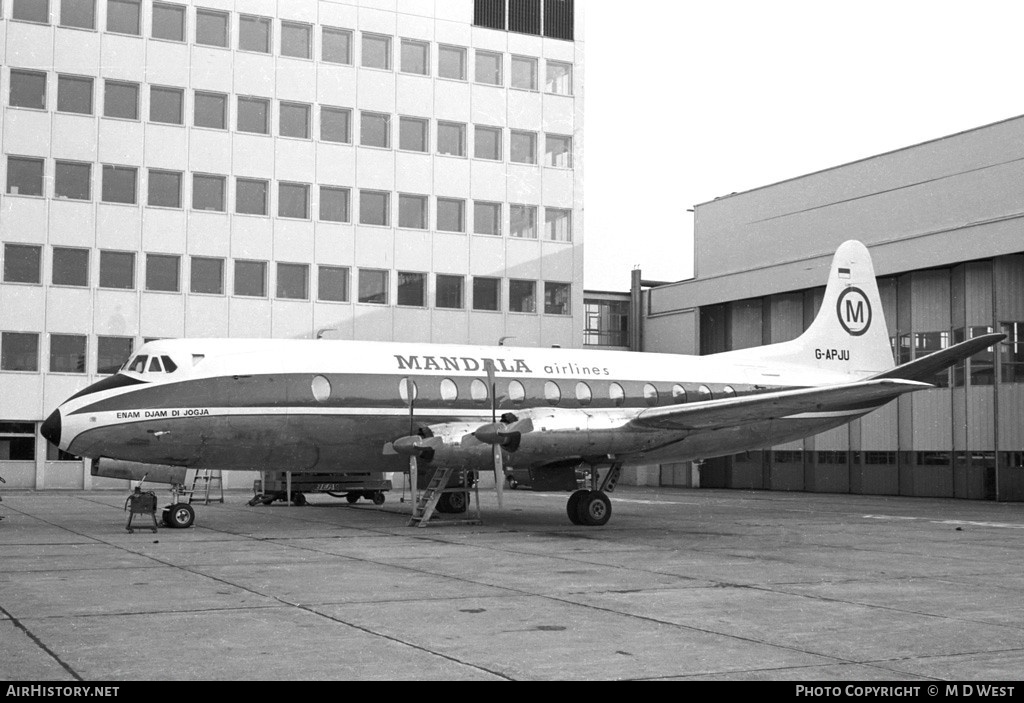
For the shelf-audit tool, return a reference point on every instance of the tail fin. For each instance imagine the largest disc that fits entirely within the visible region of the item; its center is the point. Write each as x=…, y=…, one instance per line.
x=849, y=334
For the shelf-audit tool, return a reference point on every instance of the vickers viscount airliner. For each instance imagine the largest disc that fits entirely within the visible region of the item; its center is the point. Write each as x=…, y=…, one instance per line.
x=335, y=406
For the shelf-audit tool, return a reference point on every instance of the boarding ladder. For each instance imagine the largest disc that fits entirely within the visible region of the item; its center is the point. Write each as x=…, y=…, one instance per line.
x=427, y=501
x=205, y=480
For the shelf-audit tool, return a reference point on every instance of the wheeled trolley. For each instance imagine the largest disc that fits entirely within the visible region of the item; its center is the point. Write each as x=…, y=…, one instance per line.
x=350, y=486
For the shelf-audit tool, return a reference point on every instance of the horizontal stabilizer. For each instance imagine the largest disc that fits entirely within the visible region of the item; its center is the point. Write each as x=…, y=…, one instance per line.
x=926, y=367
x=860, y=396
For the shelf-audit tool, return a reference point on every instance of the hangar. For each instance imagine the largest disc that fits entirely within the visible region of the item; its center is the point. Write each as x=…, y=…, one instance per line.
x=944, y=221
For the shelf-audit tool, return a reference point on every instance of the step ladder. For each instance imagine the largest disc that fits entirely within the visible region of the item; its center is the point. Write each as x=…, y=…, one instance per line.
x=427, y=501
x=205, y=480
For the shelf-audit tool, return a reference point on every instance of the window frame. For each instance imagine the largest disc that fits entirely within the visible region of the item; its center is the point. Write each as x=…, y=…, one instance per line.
x=116, y=258
x=285, y=200
x=386, y=210
x=286, y=27
x=69, y=78
x=151, y=283
x=424, y=212
x=13, y=84
x=160, y=172
x=182, y=10
x=347, y=209
x=167, y=89
x=113, y=170
x=210, y=94
x=220, y=202
x=239, y=191
x=112, y=17
x=36, y=178
x=250, y=20
x=247, y=101
x=209, y=12
x=388, y=50
x=462, y=53
x=336, y=31
x=14, y=275
x=420, y=44
x=346, y=288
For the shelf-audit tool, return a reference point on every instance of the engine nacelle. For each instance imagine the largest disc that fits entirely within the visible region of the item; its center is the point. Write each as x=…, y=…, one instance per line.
x=562, y=432
x=134, y=471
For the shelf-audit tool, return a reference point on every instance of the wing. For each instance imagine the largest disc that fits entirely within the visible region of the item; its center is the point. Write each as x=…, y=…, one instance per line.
x=715, y=414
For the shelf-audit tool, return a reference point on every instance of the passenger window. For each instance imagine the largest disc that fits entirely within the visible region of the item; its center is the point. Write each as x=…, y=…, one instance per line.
x=169, y=366
x=678, y=394
x=650, y=394
x=449, y=391
x=552, y=393
x=154, y=365
x=516, y=392
x=403, y=389
x=729, y=392
x=478, y=390
x=704, y=393
x=583, y=394
x=139, y=365
x=616, y=394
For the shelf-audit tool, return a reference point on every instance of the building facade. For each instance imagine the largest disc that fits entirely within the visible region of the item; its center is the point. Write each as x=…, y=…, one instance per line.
x=406, y=170
x=944, y=221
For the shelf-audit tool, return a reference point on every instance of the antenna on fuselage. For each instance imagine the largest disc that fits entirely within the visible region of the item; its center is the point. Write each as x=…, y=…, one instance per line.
x=501, y=342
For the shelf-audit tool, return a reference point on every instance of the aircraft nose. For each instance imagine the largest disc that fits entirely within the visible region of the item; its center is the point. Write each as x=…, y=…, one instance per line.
x=51, y=428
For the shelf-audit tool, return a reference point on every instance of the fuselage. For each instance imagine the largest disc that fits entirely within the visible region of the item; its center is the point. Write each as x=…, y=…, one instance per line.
x=303, y=405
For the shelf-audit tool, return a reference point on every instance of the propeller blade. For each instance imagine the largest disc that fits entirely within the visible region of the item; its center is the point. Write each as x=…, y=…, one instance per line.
x=499, y=475
x=499, y=467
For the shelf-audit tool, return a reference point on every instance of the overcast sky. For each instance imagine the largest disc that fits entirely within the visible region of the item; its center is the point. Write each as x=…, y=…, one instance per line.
x=687, y=101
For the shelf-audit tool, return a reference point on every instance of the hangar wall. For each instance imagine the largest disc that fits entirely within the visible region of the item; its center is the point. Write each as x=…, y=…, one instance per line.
x=944, y=222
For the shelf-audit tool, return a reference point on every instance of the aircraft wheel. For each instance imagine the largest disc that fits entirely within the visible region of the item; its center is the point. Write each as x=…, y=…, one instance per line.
x=352, y=497
x=453, y=503
x=594, y=508
x=179, y=515
x=572, y=507
x=512, y=483
x=298, y=499
x=378, y=498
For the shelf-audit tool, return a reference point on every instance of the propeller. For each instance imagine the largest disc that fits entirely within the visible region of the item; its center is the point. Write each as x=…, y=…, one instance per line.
x=499, y=463
x=414, y=468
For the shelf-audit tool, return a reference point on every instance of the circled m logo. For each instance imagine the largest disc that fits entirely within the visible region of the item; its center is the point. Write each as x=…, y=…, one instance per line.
x=854, y=311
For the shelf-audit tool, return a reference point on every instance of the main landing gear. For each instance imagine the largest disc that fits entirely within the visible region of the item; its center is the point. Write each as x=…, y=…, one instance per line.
x=592, y=507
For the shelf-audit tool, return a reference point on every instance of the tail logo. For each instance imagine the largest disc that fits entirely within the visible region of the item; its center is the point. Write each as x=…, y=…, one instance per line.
x=854, y=311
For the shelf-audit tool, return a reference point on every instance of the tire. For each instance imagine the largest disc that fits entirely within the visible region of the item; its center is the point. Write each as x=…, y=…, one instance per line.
x=572, y=507
x=453, y=503
x=378, y=498
x=298, y=499
x=179, y=516
x=352, y=497
x=594, y=508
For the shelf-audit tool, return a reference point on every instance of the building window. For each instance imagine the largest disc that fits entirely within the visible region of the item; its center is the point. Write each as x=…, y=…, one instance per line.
x=448, y=293
x=168, y=21
x=486, y=293
x=164, y=188
x=295, y=120
x=451, y=215
x=415, y=57
x=1012, y=352
x=293, y=200
x=373, y=286
x=123, y=16
x=212, y=28
x=926, y=343
x=412, y=211
x=254, y=34
x=74, y=94
x=486, y=218
x=162, y=273
x=211, y=110
x=412, y=133
x=112, y=353
x=374, y=208
x=70, y=267
x=488, y=68
x=559, y=78
x=334, y=204
x=67, y=353
x=376, y=51
x=336, y=45
x=293, y=281
x=208, y=192
x=523, y=221
x=451, y=62
x=332, y=284
x=559, y=19
x=489, y=13
x=487, y=143
x=251, y=196
x=558, y=224
x=72, y=180
x=607, y=324
x=523, y=147
x=556, y=298
x=207, y=276
x=28, y=89
x=121, y=99
x=335, y=125
x=296, y=40
x=412, y=289
x=117, y=270
x=254, y=115
x=19, y=351
x=251, y=278
x=119, y=184
x=451, y=138
x=522, y=296
x=524, y=16
x=375, y=129
x=24, y=176
x=22, y=263
x=31, y=11
x=524, y=73
x=165, y=105
x=557, y=151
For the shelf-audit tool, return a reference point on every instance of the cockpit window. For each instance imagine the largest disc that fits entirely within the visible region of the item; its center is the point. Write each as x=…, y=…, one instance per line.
x=154, y=365
x=169, y=366
x=139, y=365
